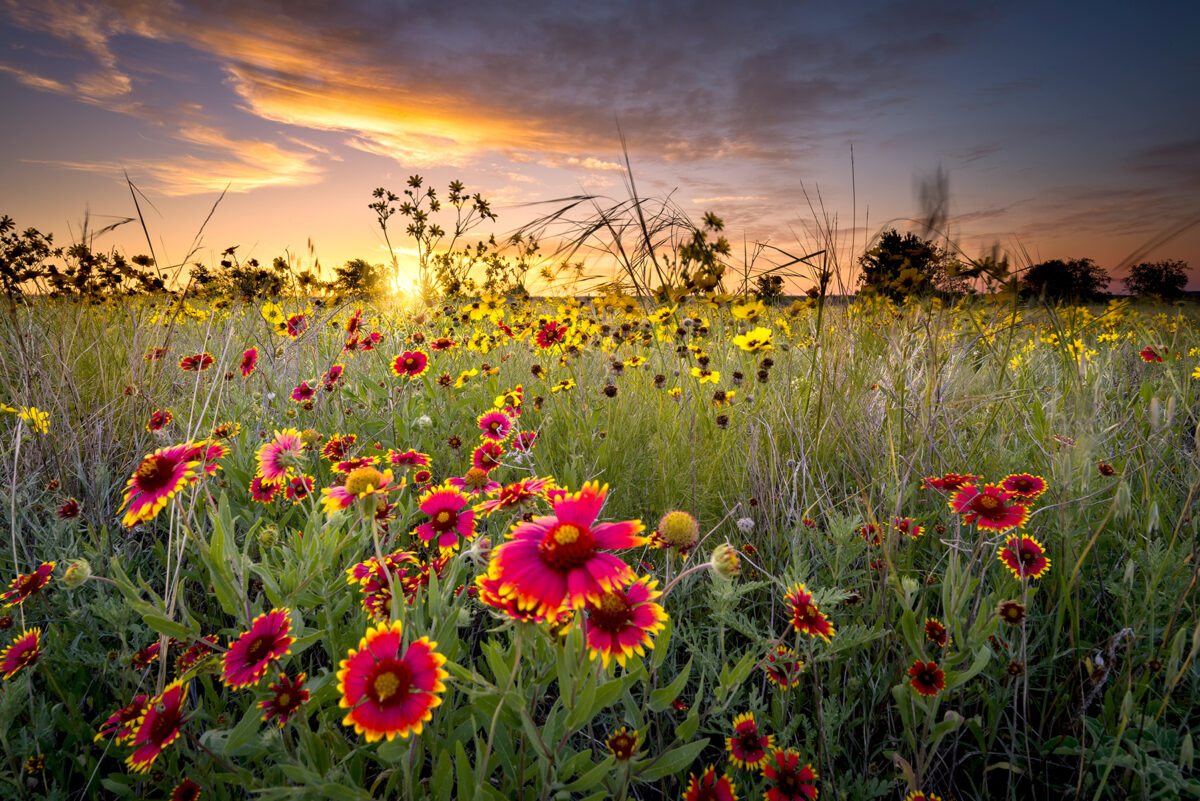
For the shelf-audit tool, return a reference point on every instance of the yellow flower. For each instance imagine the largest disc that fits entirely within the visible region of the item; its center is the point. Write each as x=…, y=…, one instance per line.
x=563, y=385
x=636, y=361
x=38, y=420
x=1196, y=372
x=748, y=310
x=674, y=392
x=272, y=313
x=754, y=341
x=706, y=376
x=463, y=376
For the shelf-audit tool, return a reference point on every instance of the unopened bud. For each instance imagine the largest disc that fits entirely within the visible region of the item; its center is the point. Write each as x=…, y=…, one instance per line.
x=78, y=572
x=725, y=561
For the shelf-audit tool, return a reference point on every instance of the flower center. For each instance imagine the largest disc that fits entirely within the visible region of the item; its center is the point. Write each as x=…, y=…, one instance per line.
x=163, y=724
x=566, y=547
x=444, y=520
x=363, y=481
x=612, y=613
x=476, y=478
x=987, y=502
x=389, y=682
x=259, y=648
x=283, y=700
x=156, y=474
x=748, y=741
x=1026, y=556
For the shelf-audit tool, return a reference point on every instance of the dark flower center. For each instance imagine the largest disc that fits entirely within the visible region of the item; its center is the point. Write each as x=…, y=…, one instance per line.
x=613, y=612
x=163, y=724
x=259, y=648
x=444, y=520
x=156, y=474
x=567, y=546
x=389, y=683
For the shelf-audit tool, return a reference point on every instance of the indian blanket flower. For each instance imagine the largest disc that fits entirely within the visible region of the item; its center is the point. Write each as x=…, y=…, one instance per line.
x=196, y=363
x=281, y=456
x=1150, y=354
x=207, y=452
x=806, y=617
x=303, y=393
x=518, y=495
x=906, y=525
x=156, y=480
x=159, y=419
x=917, y=795
x=362, y=482
x=298, y=487
x=623, y=621
x=708, y=786
x=411, y=363
x=287, y=696
x=622, y=743
x=1024, y=486
x=936, y=632
x=21, y=653
x=678, y=530
x=949, y=482
x=296, y=325
x=338, y=447
x=558, y=560
x=448, y=518
x=927, y=678
x=786, y=780
x=747, y=747
x=246, y=661
x=551, y=334
x=783, y=667
x=1012, y=613
x=158, y=726
x=495, y=425
x=67, y=510
x=186, y=790
x=487, y=456
x=122, y=723
x=263, y=491
x=754, y=341
x=387, y=693
x=25, y=585
x=407, y=459
x=249, y=362
x=442, y=343
x=990, y=507
x=523, y=442
x=1024, y=556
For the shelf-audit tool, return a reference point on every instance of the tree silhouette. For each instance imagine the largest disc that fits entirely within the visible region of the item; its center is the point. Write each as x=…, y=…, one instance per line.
x=1076, y=279
x=1162, y=279
x=898, y=266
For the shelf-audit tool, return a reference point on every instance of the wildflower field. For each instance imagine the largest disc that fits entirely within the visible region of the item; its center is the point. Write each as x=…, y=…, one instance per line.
x=598, y=548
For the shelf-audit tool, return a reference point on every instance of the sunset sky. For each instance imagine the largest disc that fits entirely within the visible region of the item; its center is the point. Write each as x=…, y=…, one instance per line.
x=1066, y=129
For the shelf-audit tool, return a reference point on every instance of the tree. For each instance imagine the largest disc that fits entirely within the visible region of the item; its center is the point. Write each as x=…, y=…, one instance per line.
x=899, y=266
x=1161, y=279
x=359, y=277
x=1076, y=279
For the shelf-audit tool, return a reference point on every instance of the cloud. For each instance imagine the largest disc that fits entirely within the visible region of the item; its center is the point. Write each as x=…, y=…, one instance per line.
x=36, y=81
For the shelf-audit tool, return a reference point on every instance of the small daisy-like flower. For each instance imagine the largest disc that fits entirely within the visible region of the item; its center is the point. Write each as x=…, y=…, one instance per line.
x=1012, y=613
x=409, y=458
x=706, y=376
x=786, y=780
x=747, y=747
x=26, y=585
x=287, y=696
x=67, y=510
x=487, y=456
x=551, y=334
x=303, y=393
x=678, y=530
x=296, y=325
x=196, y=363
x=563, y=385
x=281, y=456
x=623, y=621
x=442, y=343
x=917, y=795
x=989, y=507
x=495, y=425
x=1150, y=354
x=225, y=430
x=249, y=362
x=1024, y=556
x=949, y=482
x=708, y=786
x=558, y=560
x=156, y=480
x=623, y=743
x=783, y=667
x=906, y=525
x=937, y=633
x=805, y=615
x=1024, y=486
x=1106, y=469
x=122, y=723
x=927, y=678
x=21, y=653
x=362, y=482
x=298, y=488
x=516, y=496
x=448, y=518
x=263, y=491
x=754, y=341
x=523, y=442
x=158, y=727
x=144, y=657
x=411, y=363
x=159, y=419
x=186, y=790
x=338, y=447
x=390, y=694
x=246, y=661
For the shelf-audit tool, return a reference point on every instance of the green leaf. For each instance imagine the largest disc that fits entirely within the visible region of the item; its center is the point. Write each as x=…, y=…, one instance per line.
x=660, y=645
x=592, y=777
x=661, y=698
x=466, y=779
x=245, y=731
x=443, y=777
x=673, y=761
x=169, y=627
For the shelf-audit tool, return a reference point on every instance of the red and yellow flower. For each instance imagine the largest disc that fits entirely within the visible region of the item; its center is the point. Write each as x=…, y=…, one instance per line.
x=747, y=747
x=122, y=724
x=1024, y=556
x=708, y=786
x=1024, y=486
x=287, y=696
x=390, y=694
x=786, y=780
x=26, y=585
x=158, y=727
x=156, y=480
x=21, y=653
x=927, y=678
x=990, y=507
x=623, y=621
x=449, y=519
x=246, y=661
x=411, y=363
x=806, y=617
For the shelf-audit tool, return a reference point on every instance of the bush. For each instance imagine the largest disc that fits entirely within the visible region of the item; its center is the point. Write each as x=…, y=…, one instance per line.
x=899, y=266
x=1160, y=279
x=1077, y=279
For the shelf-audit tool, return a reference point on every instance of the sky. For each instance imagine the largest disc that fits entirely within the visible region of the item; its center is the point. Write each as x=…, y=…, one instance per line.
x=1065, y=130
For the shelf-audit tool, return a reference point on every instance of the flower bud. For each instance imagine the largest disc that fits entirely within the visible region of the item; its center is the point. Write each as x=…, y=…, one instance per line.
x=725, y=561
x=78, y=572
